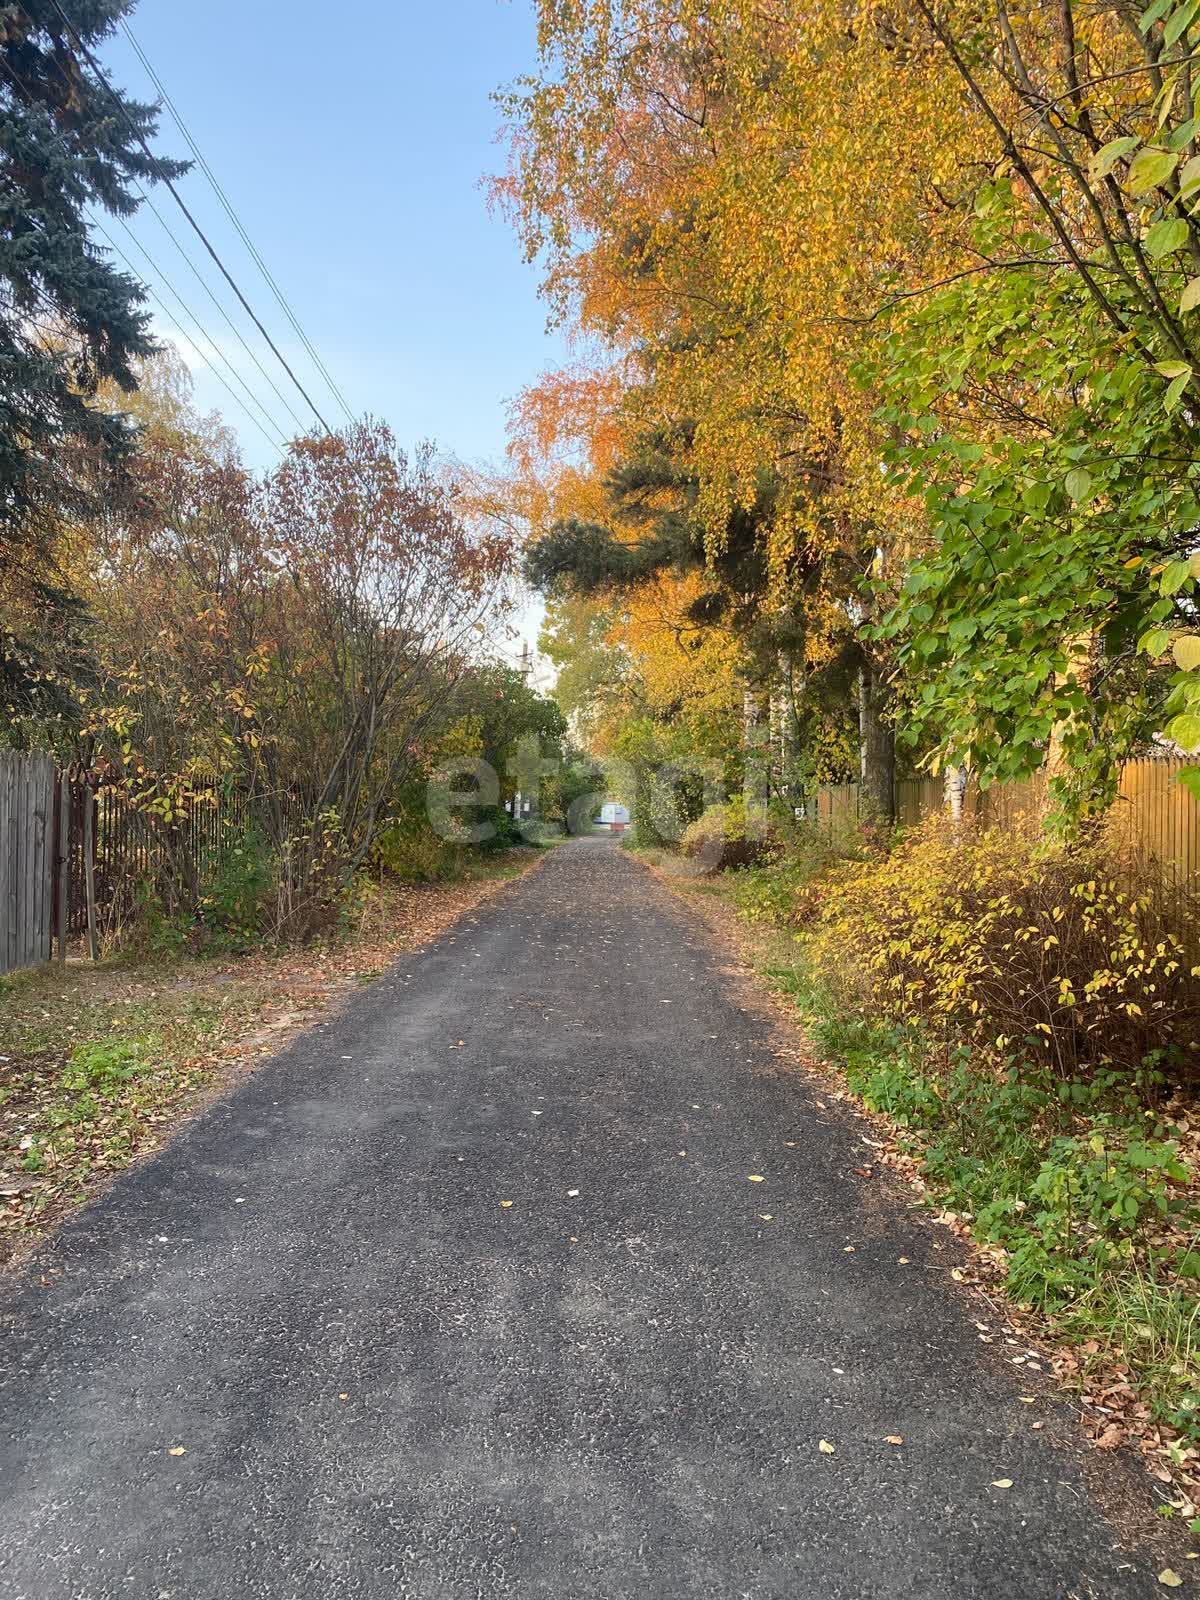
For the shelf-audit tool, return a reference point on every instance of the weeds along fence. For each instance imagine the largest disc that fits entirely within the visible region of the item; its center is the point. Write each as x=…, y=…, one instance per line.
x=75, y=852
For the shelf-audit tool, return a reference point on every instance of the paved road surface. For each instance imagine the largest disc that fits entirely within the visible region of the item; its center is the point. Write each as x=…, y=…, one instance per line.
x=390, y=1384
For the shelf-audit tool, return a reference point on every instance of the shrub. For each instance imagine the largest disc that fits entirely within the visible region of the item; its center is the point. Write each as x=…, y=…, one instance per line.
x=237, y=889
x=788, y=890
x=408, y=850
x=730, y=835
x=505, y=834
x=1020, y=946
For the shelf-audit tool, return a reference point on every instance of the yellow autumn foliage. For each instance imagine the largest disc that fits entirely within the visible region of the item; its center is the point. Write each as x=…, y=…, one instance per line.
x=1013, y=944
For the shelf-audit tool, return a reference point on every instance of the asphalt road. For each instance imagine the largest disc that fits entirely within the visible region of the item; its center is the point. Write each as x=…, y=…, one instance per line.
x=390, y=1382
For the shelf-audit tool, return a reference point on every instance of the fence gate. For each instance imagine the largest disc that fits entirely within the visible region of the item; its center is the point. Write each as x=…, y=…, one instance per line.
x=27, y=847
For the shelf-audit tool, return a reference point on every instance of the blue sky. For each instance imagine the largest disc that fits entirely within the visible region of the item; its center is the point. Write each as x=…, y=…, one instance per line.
x=351, y=141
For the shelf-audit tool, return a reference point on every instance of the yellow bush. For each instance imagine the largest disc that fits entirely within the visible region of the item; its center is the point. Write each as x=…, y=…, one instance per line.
x=1015, y=944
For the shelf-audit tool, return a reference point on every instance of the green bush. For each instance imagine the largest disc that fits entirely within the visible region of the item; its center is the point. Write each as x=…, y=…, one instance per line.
x=238, y=884
x=787, y=891
x=505, y=834
x=733, y=835
x=408, y=850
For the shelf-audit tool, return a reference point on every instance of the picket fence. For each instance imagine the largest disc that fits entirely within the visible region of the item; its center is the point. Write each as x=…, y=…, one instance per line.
x=74, y=852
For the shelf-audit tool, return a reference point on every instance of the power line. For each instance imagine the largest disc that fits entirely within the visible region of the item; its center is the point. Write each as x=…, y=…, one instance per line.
x=281, y=441
x=92, y=62
x=268, y=276
x=195, y=271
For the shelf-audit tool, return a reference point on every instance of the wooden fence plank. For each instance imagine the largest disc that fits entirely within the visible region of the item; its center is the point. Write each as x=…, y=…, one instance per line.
x=25, y=788
x=8, y=908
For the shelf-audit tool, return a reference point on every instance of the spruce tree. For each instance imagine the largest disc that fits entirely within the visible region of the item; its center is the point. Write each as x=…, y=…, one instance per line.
x=69, y=318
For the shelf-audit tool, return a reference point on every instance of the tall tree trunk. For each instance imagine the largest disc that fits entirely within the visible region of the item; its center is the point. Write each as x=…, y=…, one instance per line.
x=878, y=747
x=756, y=782
x=787, y=731
x=955, y=791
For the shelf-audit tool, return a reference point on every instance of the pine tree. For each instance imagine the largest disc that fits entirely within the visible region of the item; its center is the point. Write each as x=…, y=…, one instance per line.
x=69, y=319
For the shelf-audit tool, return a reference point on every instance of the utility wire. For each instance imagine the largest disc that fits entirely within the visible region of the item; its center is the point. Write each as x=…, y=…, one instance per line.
x=268, y=276
x=89, y=57
x=196, y=273
x=280, y=442
x=92, y=62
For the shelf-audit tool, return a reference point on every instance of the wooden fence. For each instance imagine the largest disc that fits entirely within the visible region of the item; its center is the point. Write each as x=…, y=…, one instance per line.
x=28, y=815
x=1153, y=813
x=75, y=853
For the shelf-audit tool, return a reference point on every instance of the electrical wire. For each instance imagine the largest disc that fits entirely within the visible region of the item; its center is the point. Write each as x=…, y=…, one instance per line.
x=230, y=212
x=192, y=267
x=281, y=440
x=89, y=56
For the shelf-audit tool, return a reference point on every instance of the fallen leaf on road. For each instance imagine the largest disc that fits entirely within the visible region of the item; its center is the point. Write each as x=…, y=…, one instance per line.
x=902, y=1261
x=506, y=1204
x=1002, y=1483
x=177, y=1450
x=1169, y=1578
x=764, y=1216
x=894, y=1438
x=825, y=1447
x=755, y=1177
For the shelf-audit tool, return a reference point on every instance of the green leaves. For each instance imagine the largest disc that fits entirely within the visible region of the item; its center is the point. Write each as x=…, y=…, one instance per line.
x=1108, y=155
x=1152, y=13
x=1165, y=237
x=1185, y=730
x=1175, y=575
x=1079, y=483
x=1179, y=21
x=1047, y=541
x=1179, y=373
x=1150, y=168
x=1190, y=298
x=1154, y=643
